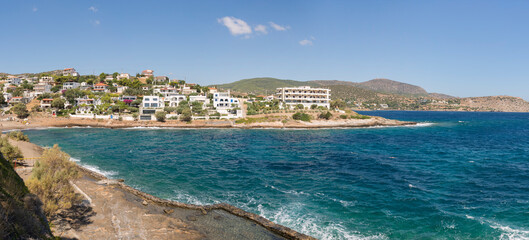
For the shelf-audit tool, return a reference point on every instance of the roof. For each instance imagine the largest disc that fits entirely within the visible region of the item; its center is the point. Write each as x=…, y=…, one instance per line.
x=100, y=84
x=47, y=99
x=212, y=88
x=66, y=69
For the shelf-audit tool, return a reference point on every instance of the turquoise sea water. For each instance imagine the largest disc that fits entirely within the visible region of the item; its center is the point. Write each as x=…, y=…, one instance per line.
x=456, y=176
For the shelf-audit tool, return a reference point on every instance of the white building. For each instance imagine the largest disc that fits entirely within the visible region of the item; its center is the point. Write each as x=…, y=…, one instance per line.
x=14, y=80
x=199, y=98
x=70, y=72
x=226, y=105
x=41, y=88
x=305, y=95
x=46, y=79
x=173, y=100
x=149, y=106
x=70, y=85
x=123, y=76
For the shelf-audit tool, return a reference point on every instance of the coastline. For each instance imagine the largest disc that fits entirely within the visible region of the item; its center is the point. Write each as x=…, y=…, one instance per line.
x=47, y=122
x=162, y=206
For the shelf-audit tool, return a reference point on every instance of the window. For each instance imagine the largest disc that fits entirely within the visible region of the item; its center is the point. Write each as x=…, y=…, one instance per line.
x=146, y=99
x=154, y=104
x=146, y=105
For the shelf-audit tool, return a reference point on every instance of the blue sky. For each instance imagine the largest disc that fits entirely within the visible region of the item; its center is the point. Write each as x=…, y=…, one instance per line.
x=462, y=48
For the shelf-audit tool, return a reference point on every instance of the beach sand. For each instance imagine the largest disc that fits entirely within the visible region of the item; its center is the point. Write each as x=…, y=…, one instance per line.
x=113, y=210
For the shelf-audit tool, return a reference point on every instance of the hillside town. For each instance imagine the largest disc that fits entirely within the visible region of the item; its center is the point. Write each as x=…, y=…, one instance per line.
x=142, y=97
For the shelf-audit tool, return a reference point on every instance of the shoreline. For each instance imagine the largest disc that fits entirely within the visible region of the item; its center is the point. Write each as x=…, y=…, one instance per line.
x=161, y=205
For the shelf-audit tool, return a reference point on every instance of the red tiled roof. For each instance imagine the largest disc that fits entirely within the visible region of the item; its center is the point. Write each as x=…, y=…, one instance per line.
x=47, y=99
x=100, y=84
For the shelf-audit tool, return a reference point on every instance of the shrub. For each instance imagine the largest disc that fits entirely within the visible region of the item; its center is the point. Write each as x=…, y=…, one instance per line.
x=326, y=115
x=9, y=151
x=313, y=106
x=343, y=116
x=160, y=116
x=301, y=116
x=20, y=110
x=186, y=115
x=300, y=106
x=360, y=116
x=51, y=178
x=135, y=116
x=18, y=135
x=169, y=109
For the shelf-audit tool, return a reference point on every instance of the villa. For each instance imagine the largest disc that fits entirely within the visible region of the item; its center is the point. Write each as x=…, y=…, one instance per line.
x=41, y=88
x=305, y=95
x=46, y=103
x=70, y=72
x=149, y=106
x=100, y=87
x=70, y=85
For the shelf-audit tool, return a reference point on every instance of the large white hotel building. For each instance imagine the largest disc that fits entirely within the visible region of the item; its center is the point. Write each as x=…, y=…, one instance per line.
x=292, y=96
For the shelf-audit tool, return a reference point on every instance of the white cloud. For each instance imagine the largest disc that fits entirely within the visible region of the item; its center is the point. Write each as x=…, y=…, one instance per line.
x=236, y=26
x=261, y=28
x=278, y=27
x=305, y=42
x=93, y=9
x=35, y=9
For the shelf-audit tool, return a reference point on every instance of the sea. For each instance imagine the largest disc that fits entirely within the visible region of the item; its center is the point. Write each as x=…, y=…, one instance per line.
x=455, y=175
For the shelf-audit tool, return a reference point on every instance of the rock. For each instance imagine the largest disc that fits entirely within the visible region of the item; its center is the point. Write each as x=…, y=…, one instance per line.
x=204, y=212
x=217, y=217
x=168, y=211
x=120, y=180
x=191, y=218
x=145, y=203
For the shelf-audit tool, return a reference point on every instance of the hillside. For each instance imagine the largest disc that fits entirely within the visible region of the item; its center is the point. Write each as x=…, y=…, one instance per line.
x=390, y=86
x=496, y=104
x=262, y=85
x=20, y=214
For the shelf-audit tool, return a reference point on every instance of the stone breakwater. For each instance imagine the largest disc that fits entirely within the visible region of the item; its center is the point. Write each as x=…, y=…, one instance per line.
x=269, y=225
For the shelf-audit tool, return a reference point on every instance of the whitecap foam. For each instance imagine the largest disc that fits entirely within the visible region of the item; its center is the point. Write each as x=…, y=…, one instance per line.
x=510, y=233
x=94, y=168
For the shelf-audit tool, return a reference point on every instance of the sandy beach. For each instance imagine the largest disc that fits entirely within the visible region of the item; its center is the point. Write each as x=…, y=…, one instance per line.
x=113, y=210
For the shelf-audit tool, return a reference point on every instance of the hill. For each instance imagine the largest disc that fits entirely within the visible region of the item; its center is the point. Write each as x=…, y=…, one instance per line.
x=390, y=86
x=496, y=104
x=262, y=85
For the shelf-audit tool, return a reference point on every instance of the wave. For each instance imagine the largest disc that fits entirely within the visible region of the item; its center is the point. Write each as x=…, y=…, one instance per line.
x=510, y=233
x=96, y=169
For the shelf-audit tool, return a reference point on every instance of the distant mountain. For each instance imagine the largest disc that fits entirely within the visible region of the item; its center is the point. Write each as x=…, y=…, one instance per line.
x=390, y=86
x=496, y=104
x=263, y=85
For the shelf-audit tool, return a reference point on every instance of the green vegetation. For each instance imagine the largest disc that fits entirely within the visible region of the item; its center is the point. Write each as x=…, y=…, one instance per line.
x=360, y=116
x=343, y=116
x=9, y=151
x=160, y=116
x=261, y=107
x=326, y=116
x=20, y=110
x=186, y=115
x=51, y=178
x=301, y=116
x=18, y=135
x=21, y=216
x=263, y=85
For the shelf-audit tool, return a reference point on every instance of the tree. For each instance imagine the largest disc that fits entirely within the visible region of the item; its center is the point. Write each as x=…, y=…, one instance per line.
x=160, y=116
x=301, y=116
x=115, y=75
x=186, y=115
x=313, y=106
x=20, y=110
x=72, y=94
x=300, y=106
x=102, y=76
x=58, y=103
x=56, y=88
x=2, y=99
x=339, y=103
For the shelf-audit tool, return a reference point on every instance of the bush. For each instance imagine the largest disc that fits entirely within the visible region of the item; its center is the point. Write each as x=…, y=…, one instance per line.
x=300, y=106
x=301, y=116
x=313, y=106
x=186, y=115
x=343, y=116
x=51, y=178
x=135, y=116
x=9, y=151
x=20, y=110
x=326, y=116
x=18, y=135
x=160, y=116
x=169, y=109
x=360, y=116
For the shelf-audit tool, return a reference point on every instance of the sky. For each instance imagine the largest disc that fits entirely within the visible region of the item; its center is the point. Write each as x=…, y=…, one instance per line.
x=462, y=48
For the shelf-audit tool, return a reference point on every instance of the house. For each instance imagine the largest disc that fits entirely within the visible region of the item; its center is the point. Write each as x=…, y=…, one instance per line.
x=109, y=78
x=165, y=91
x=41, y=88
x=123, y=76
x=121, y=89
x=149, y=106
x=85, y=86
x=70, y=72
x=7, y=96
x=212, y=90
x=174, y=99
x=14, y=80
x=147, y=73
x=46, y=79
x=70, y=85
x=224, y=101
x=100, y=87
x=46, y=103
x=199, y=98
x=15, y=100
x=304, y=95
x=186, y=90
x=85, y=105
x=160, y=79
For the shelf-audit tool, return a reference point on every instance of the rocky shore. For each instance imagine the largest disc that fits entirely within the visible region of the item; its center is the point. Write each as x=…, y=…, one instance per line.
x=114, y=210
x=43, y=122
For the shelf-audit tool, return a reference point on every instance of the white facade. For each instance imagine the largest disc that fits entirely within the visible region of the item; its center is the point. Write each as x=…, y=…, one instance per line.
x=46, y=79
x=123, y=76
x=152, y=102
x=41, y=88
x=70, y=85
x=223, y=100
x=307, y=96
x=14, y=80
x=70, y=72
x=173, y=100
